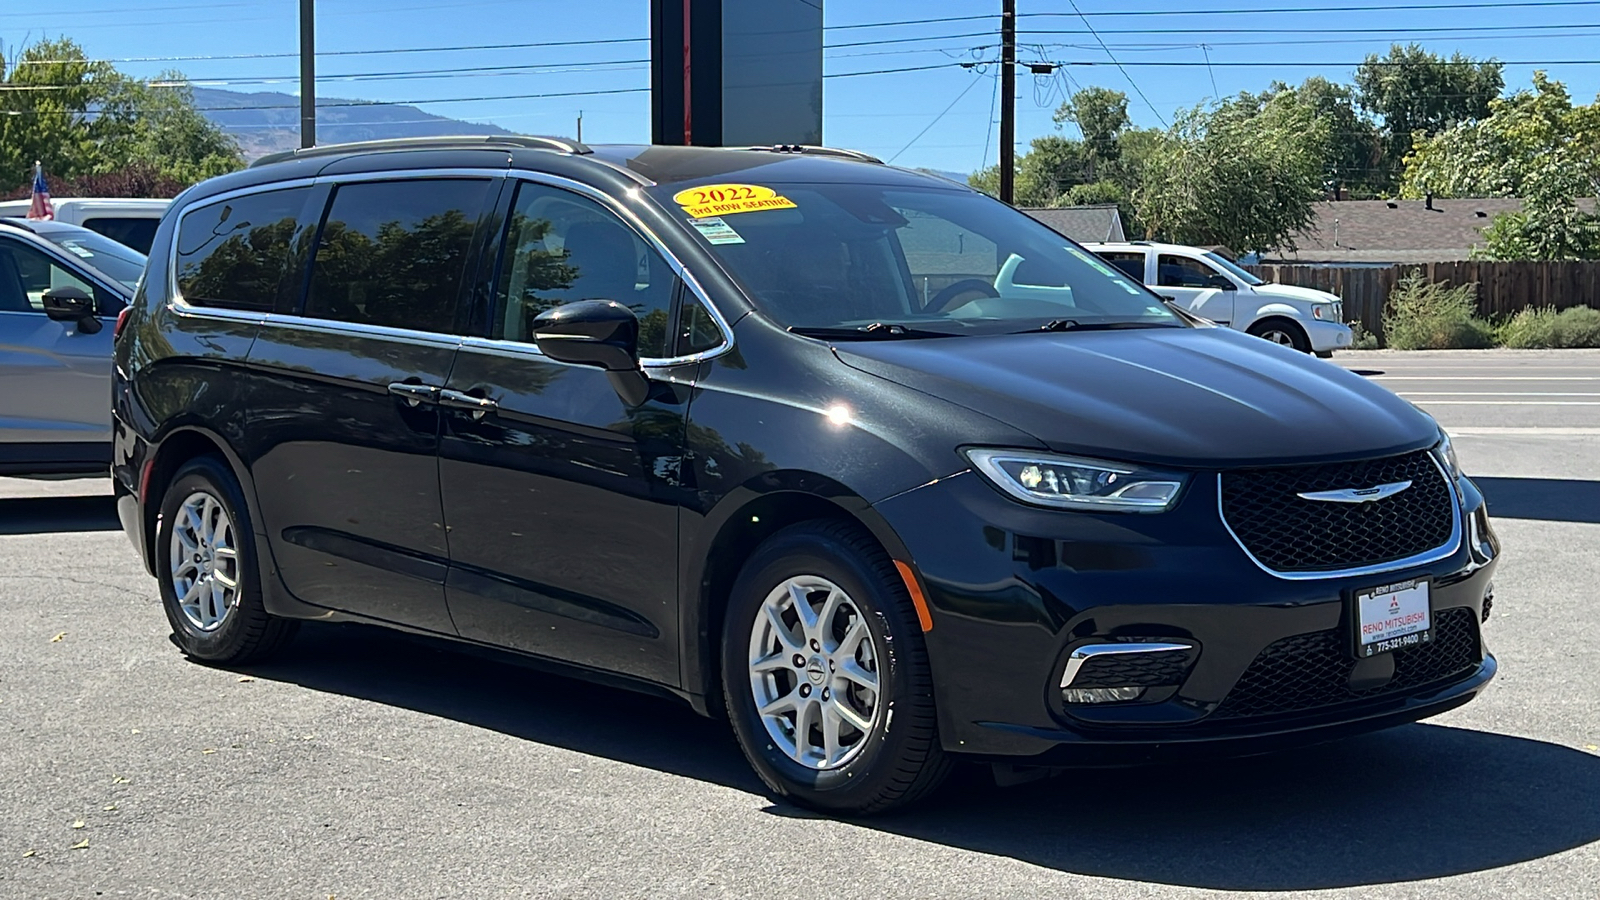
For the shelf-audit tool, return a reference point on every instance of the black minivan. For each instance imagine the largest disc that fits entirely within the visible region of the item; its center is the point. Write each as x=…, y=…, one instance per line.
x=883, y=470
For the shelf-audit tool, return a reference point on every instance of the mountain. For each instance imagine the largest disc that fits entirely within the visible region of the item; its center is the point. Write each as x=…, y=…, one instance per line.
x=268, y=122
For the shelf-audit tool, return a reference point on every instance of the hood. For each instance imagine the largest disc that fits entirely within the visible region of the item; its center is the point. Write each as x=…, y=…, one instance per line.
x=1295, y=292
x=1202, y=397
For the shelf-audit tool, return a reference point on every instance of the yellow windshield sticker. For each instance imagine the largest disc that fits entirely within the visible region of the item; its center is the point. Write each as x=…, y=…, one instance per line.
x=727, y=199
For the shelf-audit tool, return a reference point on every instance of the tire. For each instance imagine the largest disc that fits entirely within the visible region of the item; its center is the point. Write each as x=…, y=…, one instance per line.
x=1282, y=331
x=872, y=631
x=216, y=544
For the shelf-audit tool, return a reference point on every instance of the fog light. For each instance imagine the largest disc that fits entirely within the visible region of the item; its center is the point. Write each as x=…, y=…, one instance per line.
x=1102, y=695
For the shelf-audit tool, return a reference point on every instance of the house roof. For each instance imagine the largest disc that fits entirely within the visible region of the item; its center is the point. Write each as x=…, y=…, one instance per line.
x=1083, y=223
x=1394, y=231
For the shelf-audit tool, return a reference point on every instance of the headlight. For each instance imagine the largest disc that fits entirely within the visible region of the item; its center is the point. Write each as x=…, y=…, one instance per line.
x=1068, y=482
x=1446, y=452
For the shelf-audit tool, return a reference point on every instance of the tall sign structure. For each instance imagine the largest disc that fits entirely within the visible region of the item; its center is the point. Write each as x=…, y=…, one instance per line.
x=730, y=73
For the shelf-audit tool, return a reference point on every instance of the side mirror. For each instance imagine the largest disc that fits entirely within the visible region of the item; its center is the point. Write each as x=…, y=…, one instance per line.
x=70, y=304
x=600, y=333
x=1221, y=283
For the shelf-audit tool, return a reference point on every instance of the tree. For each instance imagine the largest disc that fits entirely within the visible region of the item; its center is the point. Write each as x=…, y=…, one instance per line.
x=84, y=118
x=1241, y=174
x=1101, y=116
x=1534, y=145
x=1417, y=92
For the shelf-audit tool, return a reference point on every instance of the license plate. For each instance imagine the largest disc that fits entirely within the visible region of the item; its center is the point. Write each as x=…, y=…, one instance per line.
x=1393, y=617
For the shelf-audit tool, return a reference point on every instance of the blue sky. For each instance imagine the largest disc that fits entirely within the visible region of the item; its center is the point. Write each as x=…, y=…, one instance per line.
x=881, y=114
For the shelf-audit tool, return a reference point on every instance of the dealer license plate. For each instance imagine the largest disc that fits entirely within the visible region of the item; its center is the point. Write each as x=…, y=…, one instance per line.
x=1393, y=617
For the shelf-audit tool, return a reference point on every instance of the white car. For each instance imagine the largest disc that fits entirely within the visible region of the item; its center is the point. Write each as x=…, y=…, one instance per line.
x=130, y=221
x=1212, y=286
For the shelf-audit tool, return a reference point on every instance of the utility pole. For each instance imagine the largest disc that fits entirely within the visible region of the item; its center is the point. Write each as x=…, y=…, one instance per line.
x=1008, y=95
x=308, y=74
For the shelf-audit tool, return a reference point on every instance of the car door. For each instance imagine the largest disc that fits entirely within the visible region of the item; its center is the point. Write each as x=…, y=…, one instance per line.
x=344, y=424
x=560, y=498
x=55, y=377
x=1192, y=284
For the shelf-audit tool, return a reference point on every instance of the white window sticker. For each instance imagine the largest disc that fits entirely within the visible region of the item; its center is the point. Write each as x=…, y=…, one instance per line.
x=716, y=231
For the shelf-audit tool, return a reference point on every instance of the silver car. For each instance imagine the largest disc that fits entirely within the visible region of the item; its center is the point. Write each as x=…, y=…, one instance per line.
x=60, y=287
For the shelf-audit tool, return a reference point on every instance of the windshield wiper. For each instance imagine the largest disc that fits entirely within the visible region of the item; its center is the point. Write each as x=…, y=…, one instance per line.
x=877, y=331
x=1075, y=325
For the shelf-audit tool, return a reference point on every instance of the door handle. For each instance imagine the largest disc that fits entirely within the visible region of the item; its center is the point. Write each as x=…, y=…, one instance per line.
x=477, y=406
x=414, y=394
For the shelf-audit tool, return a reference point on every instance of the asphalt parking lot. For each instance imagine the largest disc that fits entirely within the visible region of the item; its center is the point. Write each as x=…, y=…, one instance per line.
x=366, y=764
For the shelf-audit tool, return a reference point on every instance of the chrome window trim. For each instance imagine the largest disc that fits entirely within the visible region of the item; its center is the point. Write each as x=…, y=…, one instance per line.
x=179, y=306
x=175, y=302
x=1443, y=551
x=357, y=329
x=1081, y=655
x=649, y=236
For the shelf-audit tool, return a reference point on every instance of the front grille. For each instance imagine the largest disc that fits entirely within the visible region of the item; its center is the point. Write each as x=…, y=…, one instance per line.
x=1124, y=669
x=1288, y=533
x=1308, y=671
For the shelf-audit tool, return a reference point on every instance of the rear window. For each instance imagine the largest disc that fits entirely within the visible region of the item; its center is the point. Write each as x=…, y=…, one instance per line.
x=234, y=254
x=138, y=233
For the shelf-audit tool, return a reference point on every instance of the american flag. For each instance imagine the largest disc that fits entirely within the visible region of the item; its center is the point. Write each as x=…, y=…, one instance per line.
x=41, y=208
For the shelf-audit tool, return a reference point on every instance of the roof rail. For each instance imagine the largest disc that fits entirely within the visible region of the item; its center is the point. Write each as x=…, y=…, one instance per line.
x=440, y=142
x=17, y=222
x=811, y=150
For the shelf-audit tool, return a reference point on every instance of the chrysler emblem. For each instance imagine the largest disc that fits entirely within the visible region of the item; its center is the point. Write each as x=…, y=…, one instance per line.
x=1357, y=495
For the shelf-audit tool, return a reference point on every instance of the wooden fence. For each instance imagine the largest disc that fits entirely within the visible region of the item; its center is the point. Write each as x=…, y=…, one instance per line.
x=1503, y=287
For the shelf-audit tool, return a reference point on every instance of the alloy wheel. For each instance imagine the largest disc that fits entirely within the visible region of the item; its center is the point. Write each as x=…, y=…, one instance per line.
x=814, y=672
x=204, y=561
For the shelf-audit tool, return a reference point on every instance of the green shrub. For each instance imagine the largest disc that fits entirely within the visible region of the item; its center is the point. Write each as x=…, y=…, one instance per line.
x=1423, y=315
x=1530, y=328
x=1578, y=326
x=1362, y=339
x=1538, y=328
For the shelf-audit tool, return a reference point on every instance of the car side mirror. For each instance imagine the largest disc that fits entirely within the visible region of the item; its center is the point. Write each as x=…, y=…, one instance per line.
x=71, y=304
x=599, y=333
x=1221, y=283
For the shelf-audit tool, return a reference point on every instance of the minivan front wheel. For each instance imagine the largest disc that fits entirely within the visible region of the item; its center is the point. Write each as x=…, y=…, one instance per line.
x=821, y=654
x=210, y=586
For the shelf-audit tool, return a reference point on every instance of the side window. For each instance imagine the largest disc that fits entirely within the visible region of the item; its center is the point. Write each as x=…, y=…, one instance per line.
x=563, y=247
x=1130, y=262
x=392, y=253
x=234, y=254
x=26, y=273
x=130, y=232
x=697, y=331
x=1181, y=271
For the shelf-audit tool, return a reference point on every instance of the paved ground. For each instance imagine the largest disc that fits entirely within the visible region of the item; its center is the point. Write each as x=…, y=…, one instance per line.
x=370, y=765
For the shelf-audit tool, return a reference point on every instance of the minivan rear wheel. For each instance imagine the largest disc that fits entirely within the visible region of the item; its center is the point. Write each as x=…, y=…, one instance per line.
x=821, y=651
x=205, y=554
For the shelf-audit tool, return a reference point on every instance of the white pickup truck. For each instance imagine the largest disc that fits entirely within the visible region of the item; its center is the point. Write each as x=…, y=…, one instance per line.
x=1211, y=286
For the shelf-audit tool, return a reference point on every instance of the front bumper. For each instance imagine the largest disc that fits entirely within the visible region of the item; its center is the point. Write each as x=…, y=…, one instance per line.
x=1013, y=590
x=1325, y=335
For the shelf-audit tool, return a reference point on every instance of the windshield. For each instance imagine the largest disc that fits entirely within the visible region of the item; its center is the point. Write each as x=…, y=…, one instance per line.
x=930, y=262
x=1233, y=267
x=114, y=260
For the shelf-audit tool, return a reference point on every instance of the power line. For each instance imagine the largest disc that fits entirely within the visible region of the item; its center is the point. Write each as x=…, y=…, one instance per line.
x=1159, y=118
x=1380, y=31
x=929, y=126
x=1380, y=7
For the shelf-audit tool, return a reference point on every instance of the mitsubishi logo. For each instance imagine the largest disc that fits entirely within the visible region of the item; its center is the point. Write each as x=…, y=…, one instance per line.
x=1356, y=495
